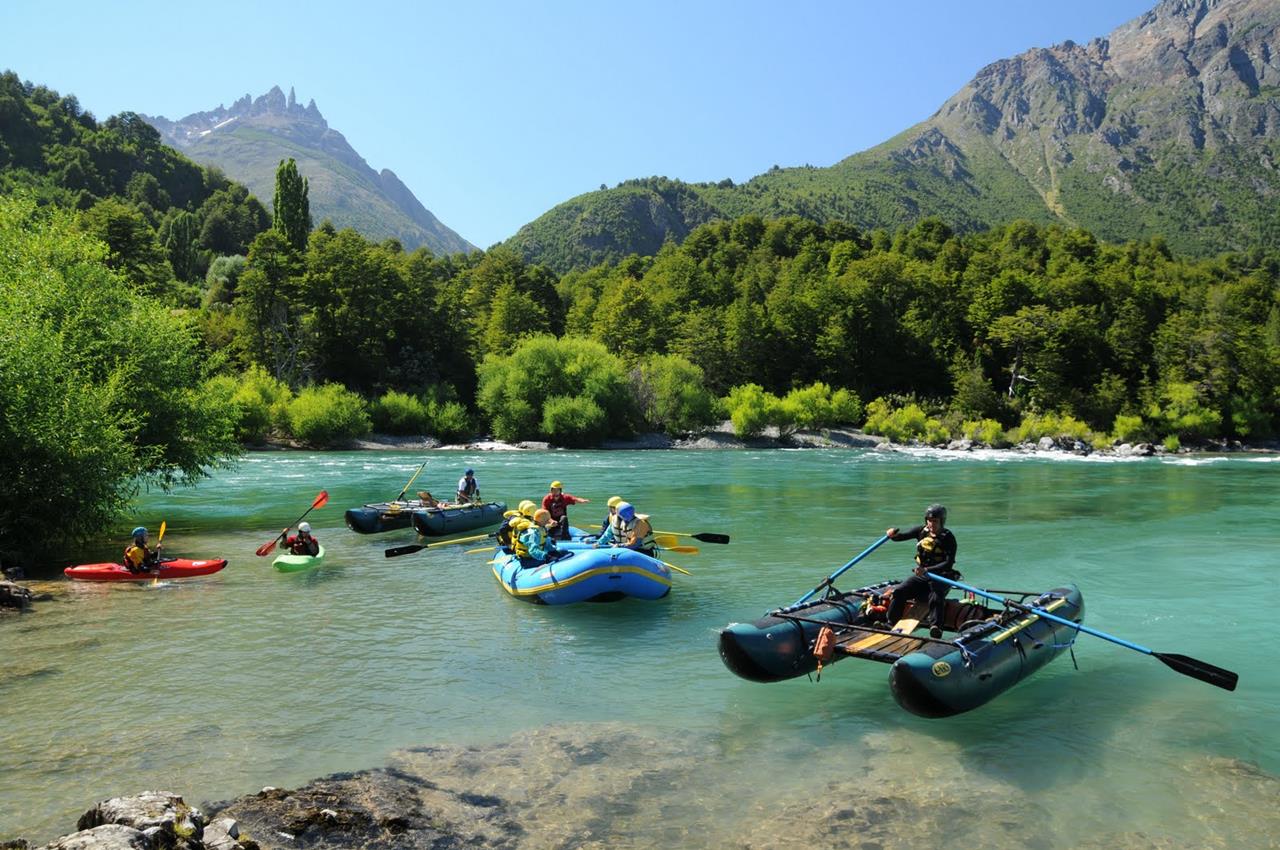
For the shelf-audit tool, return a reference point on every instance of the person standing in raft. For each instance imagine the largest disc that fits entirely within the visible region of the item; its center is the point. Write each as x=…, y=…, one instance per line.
x=301, y=543
x=557, y=502
x=935, y=552
x=138, y=556
x=468, y=488
x=629, y=530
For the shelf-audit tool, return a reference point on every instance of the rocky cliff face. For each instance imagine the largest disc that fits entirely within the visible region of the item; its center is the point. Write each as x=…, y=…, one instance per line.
x=1168, y=126
x=1188, y=80
x=248, y=139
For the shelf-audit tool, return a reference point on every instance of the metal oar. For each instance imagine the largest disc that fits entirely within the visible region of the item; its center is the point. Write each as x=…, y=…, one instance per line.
x=410, y=484
x=829, y=579
x=1183, y=664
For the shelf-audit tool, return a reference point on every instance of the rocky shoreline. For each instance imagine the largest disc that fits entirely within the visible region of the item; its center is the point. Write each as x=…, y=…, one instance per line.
x=722, y=437
x=614, y=785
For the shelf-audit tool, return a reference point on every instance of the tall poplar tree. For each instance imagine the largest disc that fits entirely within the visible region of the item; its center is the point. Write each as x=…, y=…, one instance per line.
x=292, y=215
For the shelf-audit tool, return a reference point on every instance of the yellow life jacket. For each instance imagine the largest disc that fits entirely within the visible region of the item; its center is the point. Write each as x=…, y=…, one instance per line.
x=519, y=544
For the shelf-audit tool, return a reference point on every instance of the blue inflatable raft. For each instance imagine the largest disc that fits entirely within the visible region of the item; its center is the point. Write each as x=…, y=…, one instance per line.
x=584, y=575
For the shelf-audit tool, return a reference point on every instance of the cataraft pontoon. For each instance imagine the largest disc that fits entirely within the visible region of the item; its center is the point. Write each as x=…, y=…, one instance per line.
x=983, y=652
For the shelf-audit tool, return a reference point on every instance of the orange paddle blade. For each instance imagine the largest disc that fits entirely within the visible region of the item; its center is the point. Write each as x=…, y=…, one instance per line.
x=265, y=548
x=321, y=500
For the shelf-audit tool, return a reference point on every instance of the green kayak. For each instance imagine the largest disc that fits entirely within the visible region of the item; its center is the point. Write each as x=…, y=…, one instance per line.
x=298, y=563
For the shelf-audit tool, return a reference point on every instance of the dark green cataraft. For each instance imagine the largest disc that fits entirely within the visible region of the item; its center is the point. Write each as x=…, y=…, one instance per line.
x=983, y=652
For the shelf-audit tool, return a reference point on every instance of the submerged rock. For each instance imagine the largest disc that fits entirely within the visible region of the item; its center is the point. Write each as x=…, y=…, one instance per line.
x=14, y=596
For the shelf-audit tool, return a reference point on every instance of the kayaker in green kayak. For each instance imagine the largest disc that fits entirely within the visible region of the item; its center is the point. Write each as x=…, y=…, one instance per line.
x=301, y=543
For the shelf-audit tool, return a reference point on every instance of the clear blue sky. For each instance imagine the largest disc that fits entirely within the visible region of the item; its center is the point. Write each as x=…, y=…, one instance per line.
x=492, y=113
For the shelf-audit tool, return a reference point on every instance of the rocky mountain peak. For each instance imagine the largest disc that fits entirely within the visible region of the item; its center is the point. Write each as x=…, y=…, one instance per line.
x=249, y=139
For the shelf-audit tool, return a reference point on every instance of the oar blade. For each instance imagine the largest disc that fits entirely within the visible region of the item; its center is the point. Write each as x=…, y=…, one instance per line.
x=711, y=537
x=265, y=548
x=1197, y=669
x=321, y=500
x=683, y=550
x=396, y=551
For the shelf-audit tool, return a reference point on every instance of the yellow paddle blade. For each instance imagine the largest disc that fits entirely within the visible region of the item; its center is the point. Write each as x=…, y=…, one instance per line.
x=481, y=549
x=683, y=550
x=163, y=525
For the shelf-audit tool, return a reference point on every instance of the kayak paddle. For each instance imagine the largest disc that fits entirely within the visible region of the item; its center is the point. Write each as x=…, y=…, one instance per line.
x=1193, y=667
x=396, y=551
x=826, y=582
x=320, y=501
x=159, y=541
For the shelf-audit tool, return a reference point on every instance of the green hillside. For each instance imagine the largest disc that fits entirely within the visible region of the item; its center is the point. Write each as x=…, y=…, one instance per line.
x=1169, y=127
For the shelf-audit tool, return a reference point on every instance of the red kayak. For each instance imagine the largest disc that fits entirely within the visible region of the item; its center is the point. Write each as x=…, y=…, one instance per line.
x=169, y=568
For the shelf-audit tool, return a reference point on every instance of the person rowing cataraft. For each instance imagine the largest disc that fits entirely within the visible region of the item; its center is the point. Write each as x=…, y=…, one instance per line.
x=935, y=553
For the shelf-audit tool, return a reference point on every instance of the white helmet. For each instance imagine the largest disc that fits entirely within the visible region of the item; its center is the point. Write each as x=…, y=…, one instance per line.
x=304, y=527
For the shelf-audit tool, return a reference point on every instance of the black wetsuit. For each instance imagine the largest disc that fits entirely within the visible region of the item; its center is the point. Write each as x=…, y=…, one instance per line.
x=938, y=555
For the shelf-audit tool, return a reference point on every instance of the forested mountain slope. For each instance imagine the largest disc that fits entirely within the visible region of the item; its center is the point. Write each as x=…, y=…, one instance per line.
x=1168, y=126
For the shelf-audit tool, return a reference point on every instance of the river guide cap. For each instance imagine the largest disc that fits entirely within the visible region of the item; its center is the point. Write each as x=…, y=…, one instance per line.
x=556, y=485
x=625, y=511
x=614, y=501
x=936, y=510
x=140, y=531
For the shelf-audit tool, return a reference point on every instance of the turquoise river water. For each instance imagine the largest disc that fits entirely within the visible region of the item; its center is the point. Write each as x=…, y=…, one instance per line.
x=218, y=686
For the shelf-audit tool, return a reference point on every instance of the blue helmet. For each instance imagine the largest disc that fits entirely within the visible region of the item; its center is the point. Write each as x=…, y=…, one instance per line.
x=626, y=511
x=140, y=531
x=470, y=472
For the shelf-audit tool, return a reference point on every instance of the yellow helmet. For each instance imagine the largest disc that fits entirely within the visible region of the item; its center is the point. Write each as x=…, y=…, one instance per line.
x=527, y=507
x=556, y=485
x=614, y=501
x=509, y=514
x=541, y=515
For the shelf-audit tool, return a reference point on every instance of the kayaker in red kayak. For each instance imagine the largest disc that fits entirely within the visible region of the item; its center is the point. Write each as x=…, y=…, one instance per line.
x=301, y=543
x=138, y=556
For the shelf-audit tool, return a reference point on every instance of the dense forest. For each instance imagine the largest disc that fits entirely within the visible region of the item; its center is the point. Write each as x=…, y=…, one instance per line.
x=276, y=328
